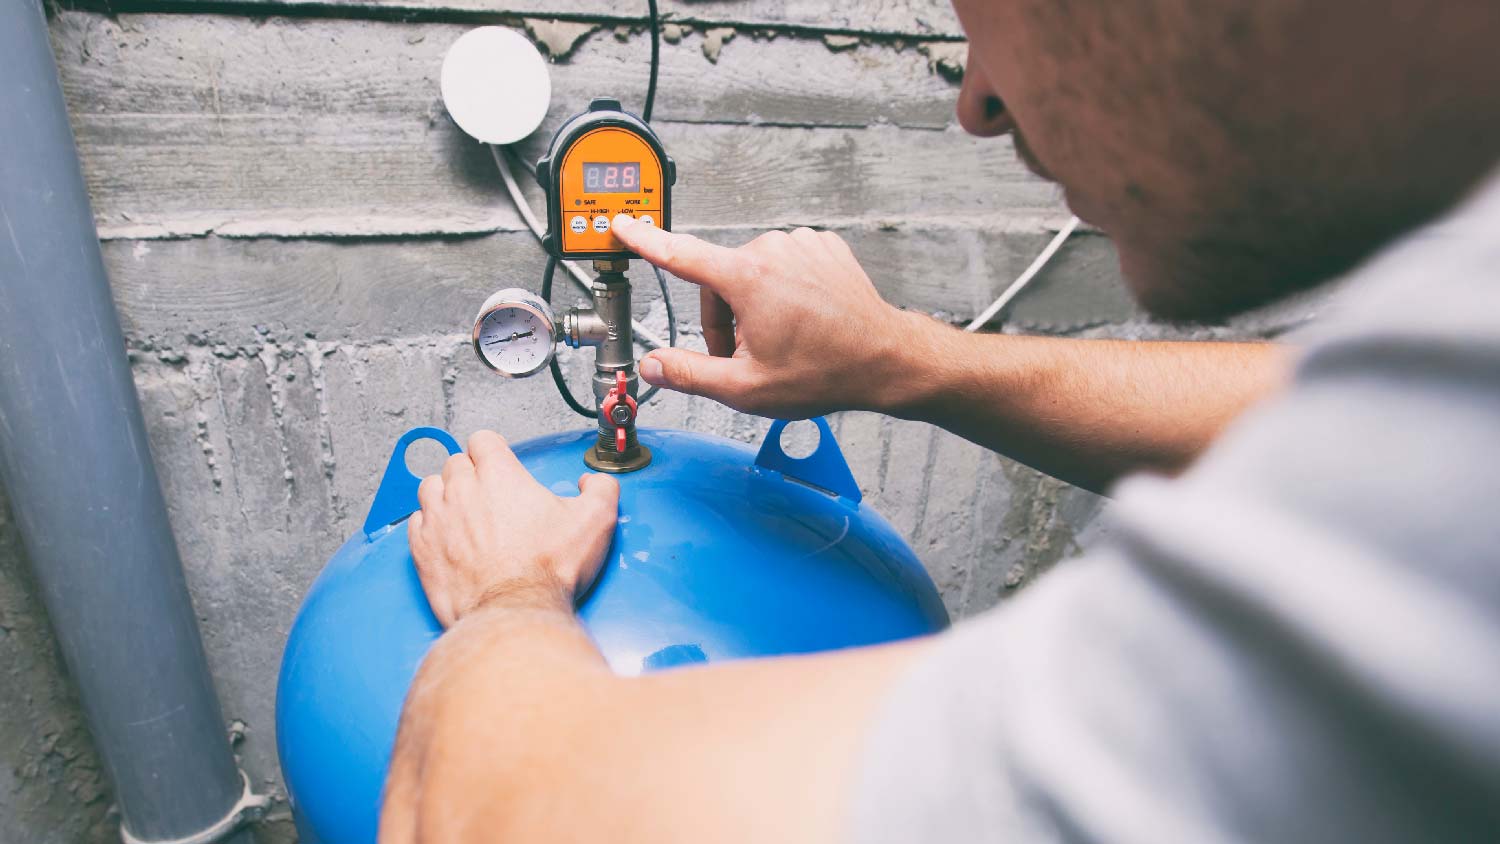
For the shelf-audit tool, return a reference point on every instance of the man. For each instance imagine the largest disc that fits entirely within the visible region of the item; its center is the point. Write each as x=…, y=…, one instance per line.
x=1295, y=638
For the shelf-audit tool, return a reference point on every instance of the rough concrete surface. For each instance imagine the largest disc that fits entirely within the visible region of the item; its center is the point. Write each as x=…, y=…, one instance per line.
x=297, y=237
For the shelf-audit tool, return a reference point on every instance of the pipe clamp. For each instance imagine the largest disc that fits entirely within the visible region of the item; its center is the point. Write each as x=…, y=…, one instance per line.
x=251, y=807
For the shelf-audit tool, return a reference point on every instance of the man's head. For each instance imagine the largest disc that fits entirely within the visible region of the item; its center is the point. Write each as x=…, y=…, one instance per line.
x=1237, y=151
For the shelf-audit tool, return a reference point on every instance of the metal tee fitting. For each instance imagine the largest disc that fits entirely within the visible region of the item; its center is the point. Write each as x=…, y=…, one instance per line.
x=583, y=327
x=608, y=326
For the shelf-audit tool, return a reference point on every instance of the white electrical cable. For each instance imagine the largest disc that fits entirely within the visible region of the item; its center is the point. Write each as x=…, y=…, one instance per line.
x=580, y=278
x=1024, y=278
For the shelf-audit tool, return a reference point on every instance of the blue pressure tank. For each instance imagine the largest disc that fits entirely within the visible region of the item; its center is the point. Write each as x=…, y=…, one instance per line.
x=720, y=553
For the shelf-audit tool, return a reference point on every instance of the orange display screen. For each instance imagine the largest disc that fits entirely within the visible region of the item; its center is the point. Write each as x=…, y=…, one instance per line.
x=606, y=172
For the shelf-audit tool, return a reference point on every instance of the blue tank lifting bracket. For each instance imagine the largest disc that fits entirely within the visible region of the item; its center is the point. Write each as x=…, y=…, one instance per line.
x=396, y=498
x=824, y=469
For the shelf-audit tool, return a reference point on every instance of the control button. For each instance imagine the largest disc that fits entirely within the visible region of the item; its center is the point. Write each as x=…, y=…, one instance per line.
x=647, y=219
x=601, y=224
x=578, y=224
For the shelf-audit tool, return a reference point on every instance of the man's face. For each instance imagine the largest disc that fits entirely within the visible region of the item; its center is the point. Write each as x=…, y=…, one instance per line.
x=1238, y=151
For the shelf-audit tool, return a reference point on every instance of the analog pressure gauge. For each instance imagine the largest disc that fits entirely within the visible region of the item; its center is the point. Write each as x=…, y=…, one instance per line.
x=514, y=333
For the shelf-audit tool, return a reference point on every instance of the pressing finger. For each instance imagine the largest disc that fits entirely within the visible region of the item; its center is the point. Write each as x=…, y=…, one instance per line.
x=685, y=256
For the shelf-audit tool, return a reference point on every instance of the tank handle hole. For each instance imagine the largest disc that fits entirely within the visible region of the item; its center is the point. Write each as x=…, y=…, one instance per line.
x=800, y=439
x=425, y=457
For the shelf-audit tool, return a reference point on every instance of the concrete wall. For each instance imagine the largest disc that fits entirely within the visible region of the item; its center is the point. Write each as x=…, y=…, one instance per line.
x=297, y=237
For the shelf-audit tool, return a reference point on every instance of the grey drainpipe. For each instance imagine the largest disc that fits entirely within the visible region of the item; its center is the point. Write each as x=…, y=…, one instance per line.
x=75, y=462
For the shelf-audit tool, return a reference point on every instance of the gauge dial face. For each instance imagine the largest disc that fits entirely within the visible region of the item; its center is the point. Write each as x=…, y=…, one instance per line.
x=514, y=335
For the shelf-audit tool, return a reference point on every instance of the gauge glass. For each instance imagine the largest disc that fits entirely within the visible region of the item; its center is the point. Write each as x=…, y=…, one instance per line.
x=514, y=337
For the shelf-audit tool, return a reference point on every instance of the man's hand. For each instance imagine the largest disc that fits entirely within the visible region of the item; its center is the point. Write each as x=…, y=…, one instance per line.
x=488, y=533
x=516, y=729
x=794, y=327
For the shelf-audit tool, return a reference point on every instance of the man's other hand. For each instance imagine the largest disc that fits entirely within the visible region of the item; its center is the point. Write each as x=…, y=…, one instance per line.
x=793, y=324
x=488, y=533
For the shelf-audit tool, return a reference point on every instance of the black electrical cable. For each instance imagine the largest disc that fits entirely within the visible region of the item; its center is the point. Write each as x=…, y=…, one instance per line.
x=666, y=298
x=655, y=60
x=562, y=387
x=557, y=375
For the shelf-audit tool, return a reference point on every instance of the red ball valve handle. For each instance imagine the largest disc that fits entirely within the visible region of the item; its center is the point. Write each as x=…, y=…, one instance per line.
x=620, y=408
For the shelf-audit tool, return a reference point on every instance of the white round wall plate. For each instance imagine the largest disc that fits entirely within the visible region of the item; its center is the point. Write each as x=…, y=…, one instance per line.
x=495, y=85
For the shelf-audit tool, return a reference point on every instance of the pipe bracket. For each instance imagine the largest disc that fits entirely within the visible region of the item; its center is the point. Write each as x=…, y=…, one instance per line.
x=250, y=808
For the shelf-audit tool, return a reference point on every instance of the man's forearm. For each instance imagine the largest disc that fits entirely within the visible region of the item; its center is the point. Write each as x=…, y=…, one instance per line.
x=472, y=718
x=515, y=729
x=1085, y=411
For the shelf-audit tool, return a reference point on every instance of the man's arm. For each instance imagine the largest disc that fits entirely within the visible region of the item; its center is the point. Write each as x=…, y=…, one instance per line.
x=1088, y=411
x=795, y=328
x=516, y=730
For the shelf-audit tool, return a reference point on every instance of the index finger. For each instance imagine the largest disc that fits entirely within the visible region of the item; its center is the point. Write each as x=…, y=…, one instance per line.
x=491, y=453
x=497, y=466
x=685, y=256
